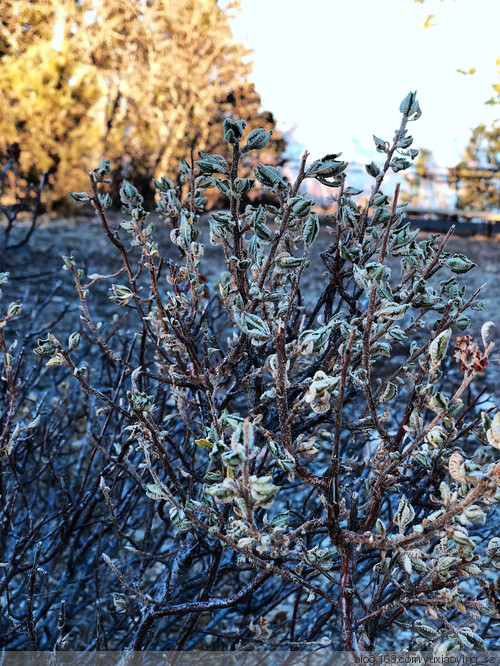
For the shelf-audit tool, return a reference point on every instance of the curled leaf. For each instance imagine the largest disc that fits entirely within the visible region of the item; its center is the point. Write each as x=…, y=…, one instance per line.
x=485, y=333
x=493, y=432
x=460, y=264
x=455, y=465
x=438, y=348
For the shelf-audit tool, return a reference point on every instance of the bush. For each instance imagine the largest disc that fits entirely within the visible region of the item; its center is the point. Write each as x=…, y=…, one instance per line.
x=246, y=468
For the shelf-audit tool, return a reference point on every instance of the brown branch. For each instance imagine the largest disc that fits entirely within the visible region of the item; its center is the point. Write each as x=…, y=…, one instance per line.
x=198, y=607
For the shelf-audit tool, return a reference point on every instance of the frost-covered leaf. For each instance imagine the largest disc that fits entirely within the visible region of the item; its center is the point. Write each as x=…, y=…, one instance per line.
x=405, y=513
x=256, y=329
x=438, y=347
x=154, y=492
x=311, y=229
x=460, y=264
x=257, y=140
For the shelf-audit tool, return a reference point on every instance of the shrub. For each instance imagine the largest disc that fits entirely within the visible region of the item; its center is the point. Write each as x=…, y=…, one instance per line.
x=256, y=469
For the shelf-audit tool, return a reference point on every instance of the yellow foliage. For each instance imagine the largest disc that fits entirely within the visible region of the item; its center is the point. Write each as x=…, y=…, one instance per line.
x=428, y=21
x=135, y=81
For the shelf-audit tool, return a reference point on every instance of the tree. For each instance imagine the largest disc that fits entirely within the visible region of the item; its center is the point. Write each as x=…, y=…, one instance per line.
x=479, y=170
x=135, y=80
x=45, y=92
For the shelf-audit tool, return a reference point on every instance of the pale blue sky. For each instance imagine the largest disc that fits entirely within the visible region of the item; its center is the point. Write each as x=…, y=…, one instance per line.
x=336, y=70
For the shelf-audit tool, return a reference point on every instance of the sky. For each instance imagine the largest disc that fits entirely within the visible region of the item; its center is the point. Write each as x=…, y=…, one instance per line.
x=335, y=71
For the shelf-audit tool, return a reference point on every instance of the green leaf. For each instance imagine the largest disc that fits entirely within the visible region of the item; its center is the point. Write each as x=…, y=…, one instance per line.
x=209, y=164
x=243, y=185
x=269, y=177
x=407, y=103
x=233, y=130
x=301, y=207
x=222, y=185
x=327, y=167
x=311, y=229
x=102, y=170
x=381, y=145
x=257, y=140
x=154, y=492
x=399, y=164
x=79, y=197
x=352, y=191
x=372, y=169
x=254, y=327
x=460, y=264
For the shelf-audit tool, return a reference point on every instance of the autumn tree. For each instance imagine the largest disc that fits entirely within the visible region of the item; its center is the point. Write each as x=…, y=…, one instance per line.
x=135, y=80
x=45, y=92
x=479, y=170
